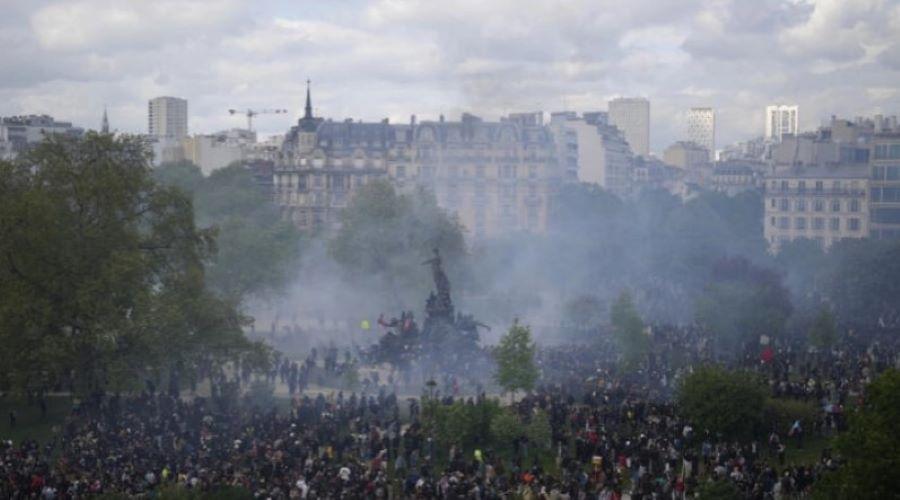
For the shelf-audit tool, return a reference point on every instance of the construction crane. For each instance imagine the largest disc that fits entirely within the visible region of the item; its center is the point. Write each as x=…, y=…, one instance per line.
x=250, y=113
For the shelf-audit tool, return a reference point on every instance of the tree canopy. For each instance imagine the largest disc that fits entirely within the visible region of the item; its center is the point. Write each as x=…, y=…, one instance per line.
x=628, y=329
x=385, y=237
x=256, y=250
x=516, y=368
x=721, y=401
x=871, y=446
x=102, y=277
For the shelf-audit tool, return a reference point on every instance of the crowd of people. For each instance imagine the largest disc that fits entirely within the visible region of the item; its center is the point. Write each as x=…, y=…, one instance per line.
x=614, y=434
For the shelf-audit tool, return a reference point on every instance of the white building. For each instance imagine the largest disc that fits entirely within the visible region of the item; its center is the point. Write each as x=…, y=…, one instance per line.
x=167, y=117
x=701, y=128
x=214, y=151
x=18, y=133
x=631, y=115
x=601, y=154
x=781, y=119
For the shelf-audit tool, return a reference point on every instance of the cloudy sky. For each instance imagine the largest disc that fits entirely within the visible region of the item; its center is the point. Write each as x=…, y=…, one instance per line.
x=391, y=58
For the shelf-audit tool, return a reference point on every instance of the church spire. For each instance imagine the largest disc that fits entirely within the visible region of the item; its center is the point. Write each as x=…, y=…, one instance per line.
x=308, y=113
x=104, y=126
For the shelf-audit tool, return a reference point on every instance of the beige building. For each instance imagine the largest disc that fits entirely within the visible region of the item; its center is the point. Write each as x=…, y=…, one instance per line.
x=601, y=154
x=494, y=176
x=686, y=155
x=215, y=151
x=825, y=204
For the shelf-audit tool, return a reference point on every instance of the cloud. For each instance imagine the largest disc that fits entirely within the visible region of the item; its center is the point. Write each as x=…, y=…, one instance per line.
x=393, y=58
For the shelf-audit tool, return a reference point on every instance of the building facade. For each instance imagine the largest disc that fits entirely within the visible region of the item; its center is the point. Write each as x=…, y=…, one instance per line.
x=782, y=119
x=602, y=156
x=19, y=133
x=686, y=155
x=825, y=204
x=884, y=186
x=818, y=189
x=631, y=115
x=494, y=177
x=167, y=117
x=701, y=129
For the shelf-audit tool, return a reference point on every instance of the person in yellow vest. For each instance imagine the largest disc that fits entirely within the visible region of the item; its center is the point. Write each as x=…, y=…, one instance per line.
x=365, y=325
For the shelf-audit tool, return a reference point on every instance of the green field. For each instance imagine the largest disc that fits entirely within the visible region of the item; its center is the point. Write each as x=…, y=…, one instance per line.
x=29, y=422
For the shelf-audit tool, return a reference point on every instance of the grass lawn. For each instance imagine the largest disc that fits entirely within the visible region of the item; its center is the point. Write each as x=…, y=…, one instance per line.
x=29, y=424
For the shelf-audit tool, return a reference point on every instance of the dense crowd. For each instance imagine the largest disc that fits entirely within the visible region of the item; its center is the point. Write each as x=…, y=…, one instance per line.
x=613, y=434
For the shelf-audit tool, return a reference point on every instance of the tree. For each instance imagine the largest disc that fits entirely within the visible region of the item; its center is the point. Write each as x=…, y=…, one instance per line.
x=870, y=447
x=823, y=333
x=385, y=236
x=584, y=312
x=514, y=355
x=862, y=281
x=724, y=402
x=256, y=250
x=741, y=302
x=102, y=279
x=629, y=330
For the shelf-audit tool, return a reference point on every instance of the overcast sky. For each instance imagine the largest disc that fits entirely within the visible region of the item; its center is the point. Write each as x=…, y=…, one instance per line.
x=393, y=58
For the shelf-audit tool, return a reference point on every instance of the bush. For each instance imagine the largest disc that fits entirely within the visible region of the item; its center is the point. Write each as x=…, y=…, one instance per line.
x=718, y=490
x=506, y=428
x=724, y=402
x=538, y=430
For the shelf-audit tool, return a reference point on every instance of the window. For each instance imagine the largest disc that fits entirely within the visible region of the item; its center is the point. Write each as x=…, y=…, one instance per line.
x=835, y=205
x=773, y=203
x=479, y=171
x=818, y=205
x=783, y=223
x=853, y=224
x=854, y=205
x=818, y=223
x=801, y=186
x=801, y=205
x=800, y=223
x=772, y=222
x=317, y=181
x=834, y=224
x=820, y=186
x=785, y=206
x=784, y=185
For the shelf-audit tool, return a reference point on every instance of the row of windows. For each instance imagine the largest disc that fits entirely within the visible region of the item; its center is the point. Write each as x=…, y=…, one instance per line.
x=817, y=205
x=888, y=173
x=816, y=186
x=887, y=151
x=886, y=194
x=816, y=223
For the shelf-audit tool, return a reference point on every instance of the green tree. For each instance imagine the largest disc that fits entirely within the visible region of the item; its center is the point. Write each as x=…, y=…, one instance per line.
x=741, y=302
x=256, y=251
x=184, y=175
x=823, y=332
x=629, y=330
x=725, y=402
x=514, y=355
x=871, y=446
x=862, y=281
x=385, y=236
x=539, y=430
x=102, y=279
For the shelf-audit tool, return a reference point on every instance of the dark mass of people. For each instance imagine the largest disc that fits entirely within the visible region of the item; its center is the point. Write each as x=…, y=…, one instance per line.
x=613, y=433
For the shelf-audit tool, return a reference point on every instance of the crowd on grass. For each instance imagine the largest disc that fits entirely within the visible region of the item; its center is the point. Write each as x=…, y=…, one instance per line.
x=613, y=433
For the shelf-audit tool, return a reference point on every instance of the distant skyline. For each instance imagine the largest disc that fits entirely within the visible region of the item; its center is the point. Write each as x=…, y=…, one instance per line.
x=392, y=58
